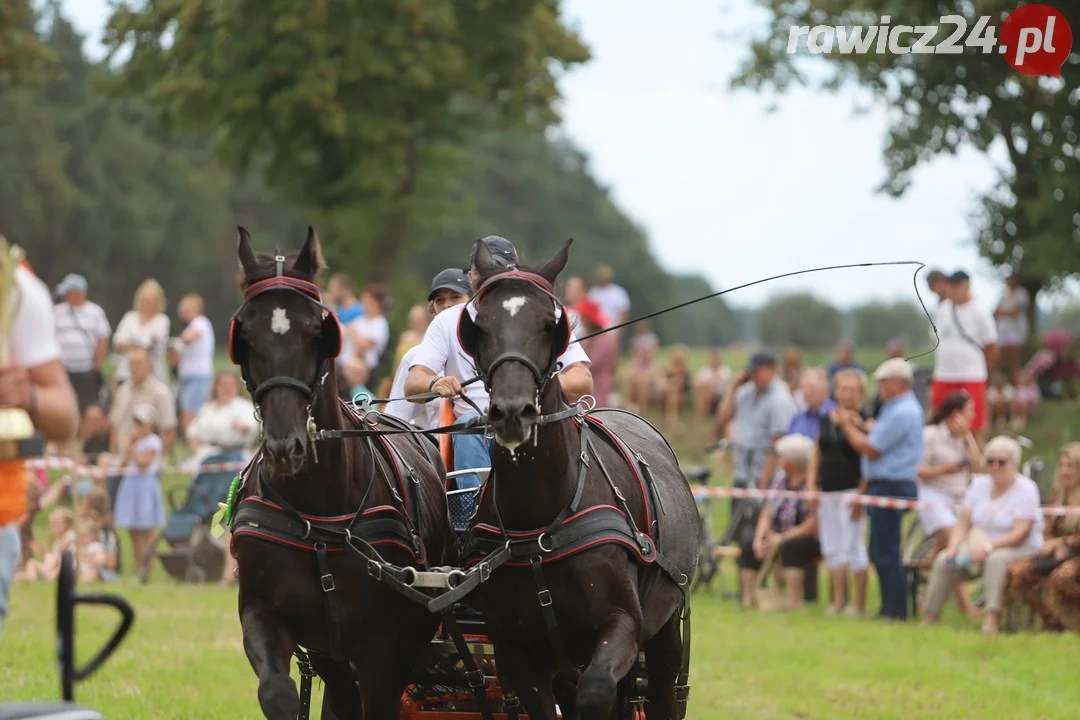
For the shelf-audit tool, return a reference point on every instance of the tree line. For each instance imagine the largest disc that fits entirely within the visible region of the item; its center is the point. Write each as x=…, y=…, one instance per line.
x=401, y=131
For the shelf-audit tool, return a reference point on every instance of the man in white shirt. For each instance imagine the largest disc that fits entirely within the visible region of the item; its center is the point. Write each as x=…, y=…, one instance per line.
x=196, y=366
x=611, y=298
x=968, y=349
x=83, y=332
x=449, y=288
x=33, y=379
x=440, y=365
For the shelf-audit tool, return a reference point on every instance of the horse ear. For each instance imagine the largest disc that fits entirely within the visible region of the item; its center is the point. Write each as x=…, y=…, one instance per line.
x=551, y=269
x=310, y=260
x=246, y=251
x=484, y=260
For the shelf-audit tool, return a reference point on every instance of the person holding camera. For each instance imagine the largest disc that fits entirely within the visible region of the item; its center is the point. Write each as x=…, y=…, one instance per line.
x=950, y=456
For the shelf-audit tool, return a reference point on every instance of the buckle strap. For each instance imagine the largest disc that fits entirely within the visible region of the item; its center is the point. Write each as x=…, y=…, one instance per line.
x=543, y=595
x=303, y=664
x=327, y=581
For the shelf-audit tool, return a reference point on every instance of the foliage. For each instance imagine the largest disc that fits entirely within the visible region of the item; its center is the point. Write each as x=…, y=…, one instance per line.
x=801, y=319
x=875, y=323
x=1068, y=318
x=24, y=59
x=350, y=102
x=939, y=103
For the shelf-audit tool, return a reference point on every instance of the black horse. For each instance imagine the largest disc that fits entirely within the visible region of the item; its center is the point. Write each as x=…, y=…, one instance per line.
x=600, y=522
x=307, y=507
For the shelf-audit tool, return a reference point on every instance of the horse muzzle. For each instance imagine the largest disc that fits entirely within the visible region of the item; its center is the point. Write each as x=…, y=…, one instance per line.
x=285, y=456
x=513, y=421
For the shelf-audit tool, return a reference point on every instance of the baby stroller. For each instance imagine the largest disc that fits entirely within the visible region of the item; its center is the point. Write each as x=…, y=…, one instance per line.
x=193, y=555
x=1054, y=367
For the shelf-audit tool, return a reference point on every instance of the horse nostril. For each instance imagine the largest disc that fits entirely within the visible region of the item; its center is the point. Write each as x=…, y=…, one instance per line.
x=530, y=413
x=496, y=413
x=297, y=447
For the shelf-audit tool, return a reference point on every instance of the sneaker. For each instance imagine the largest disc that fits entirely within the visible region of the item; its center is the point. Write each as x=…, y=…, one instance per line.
x=852, y=611
x=831, y=611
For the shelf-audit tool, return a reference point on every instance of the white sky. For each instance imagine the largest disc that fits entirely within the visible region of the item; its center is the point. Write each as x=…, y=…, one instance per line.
x=723, y=187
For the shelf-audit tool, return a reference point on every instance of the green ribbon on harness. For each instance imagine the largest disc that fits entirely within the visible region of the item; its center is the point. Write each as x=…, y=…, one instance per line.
x=224, y=516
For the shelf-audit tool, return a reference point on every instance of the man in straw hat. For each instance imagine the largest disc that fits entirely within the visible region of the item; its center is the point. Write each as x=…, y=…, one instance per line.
x=891, y=450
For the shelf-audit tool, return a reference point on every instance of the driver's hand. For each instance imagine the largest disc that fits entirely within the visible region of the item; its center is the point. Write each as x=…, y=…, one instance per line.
x=447, y=387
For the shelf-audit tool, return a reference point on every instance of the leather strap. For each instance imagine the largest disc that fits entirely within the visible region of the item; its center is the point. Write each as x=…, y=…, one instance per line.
x=543, y=596
x=472, y=672
x=303, y=664
x=326, y=580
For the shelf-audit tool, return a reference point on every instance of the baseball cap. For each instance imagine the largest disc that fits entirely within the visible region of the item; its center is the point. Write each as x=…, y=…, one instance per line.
x=895, y=368
x=71, y=282
x=959, y=276
x=502, y=251
x=450, y=279
x=760, y=359
x=144, y=413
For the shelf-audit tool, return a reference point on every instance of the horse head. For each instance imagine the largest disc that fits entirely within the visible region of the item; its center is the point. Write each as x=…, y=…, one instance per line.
x=285, y=340
x=516, y=338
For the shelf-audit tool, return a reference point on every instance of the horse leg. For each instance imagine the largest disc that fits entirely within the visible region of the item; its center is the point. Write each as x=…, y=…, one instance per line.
x=663, y=661
x=269, y=649
x=616, y=650
x=341, y=693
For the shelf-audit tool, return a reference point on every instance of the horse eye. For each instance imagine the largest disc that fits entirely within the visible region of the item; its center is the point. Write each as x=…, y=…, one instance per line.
x=549, y=326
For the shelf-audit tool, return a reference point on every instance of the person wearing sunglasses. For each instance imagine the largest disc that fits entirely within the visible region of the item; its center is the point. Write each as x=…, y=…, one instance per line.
x=1000, y=524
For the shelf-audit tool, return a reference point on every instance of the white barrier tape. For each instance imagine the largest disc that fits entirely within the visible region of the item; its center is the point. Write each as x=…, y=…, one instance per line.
x=871, y=500
x=58, y=463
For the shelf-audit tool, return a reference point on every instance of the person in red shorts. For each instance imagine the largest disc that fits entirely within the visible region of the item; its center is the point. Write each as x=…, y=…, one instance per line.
x=968, y=350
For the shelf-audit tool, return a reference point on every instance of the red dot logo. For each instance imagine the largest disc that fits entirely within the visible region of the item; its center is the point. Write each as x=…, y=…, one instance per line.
x=1036, y=40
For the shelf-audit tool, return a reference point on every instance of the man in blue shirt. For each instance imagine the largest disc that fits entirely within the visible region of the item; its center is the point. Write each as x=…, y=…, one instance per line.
x=891, y=454
x=815, y=391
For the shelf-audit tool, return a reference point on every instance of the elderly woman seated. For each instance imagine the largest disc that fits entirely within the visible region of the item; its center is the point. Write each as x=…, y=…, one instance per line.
x=788, y=526
x=1000, y=524
x=1040, y=580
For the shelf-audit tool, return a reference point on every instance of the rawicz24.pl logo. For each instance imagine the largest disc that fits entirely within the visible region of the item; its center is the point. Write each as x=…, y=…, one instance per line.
x=1035, y=39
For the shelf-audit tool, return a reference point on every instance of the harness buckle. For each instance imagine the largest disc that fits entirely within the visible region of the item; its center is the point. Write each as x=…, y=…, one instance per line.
x=374, y=569
x=510, y=700
x=584, y=458
x=327, y=582
x=484, y=570
x=544, y=596
x=475, y=678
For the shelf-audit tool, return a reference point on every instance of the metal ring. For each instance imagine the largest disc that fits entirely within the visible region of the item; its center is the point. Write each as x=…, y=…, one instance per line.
x=307, y=531
x=588, y=401
x=454, y=578
x=408, y=576
x=683, y=579
x=540, y=543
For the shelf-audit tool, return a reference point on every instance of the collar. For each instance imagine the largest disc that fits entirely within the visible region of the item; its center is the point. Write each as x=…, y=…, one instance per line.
x=822, y=411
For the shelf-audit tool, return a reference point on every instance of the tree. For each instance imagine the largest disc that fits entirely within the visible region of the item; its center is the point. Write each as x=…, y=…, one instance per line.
x=350, y=103
x=801, y=319
x=941, y=102
x=875, y=323
x=24, y=59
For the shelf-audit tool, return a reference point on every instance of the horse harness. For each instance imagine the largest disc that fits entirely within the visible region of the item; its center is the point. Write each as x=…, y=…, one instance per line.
x=575, y=530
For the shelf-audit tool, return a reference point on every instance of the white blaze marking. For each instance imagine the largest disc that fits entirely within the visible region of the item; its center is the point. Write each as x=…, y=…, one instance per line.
x=512, y=305
x=279, y=322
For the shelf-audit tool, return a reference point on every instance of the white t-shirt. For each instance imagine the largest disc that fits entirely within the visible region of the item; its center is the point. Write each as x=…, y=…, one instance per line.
x=425, y=415
x=33, y=330
x=153, y=335
x=214, y=424
x=612, y=299
x=1014, y=330
x=376, y=329
x=78, y=330
x=197, y=357
x=996, y=517
x=441, y=353
x=960, y=357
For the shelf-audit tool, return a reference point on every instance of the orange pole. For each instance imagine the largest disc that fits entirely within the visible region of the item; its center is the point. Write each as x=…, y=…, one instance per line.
x=446, y=447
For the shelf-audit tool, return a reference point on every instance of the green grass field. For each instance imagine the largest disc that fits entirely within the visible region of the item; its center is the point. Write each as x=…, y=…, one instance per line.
x=184, y=658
